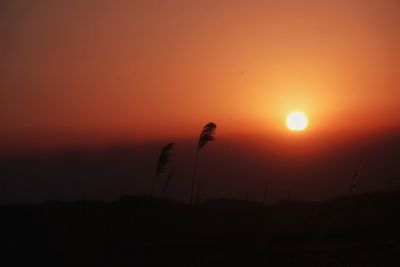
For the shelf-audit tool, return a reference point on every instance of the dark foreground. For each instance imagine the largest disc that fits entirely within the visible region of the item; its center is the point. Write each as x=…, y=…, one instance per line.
x=136, y=231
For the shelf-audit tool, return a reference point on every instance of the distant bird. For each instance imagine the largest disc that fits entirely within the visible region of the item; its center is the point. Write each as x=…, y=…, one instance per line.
x=162, y=162
x=207, y=135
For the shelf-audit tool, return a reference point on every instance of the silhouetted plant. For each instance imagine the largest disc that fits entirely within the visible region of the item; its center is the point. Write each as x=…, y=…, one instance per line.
x=168, y=180
x=198, y=192
x=162, y=162
x=207, y=134
x=266, y=189
x=353, y=183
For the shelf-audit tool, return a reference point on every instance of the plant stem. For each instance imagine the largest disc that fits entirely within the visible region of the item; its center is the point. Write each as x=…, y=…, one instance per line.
x=194, y=176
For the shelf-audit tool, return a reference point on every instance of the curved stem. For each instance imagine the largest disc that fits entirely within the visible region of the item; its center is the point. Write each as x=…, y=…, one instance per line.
x=194, y=176
x=198, y=191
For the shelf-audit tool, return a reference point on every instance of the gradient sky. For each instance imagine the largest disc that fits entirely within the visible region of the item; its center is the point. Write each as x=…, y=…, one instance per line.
x=97, y=72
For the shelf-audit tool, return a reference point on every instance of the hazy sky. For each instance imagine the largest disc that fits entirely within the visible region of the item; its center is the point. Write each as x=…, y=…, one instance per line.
x=77, y=72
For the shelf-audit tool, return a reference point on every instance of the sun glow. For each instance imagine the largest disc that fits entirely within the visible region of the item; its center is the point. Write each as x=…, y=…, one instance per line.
x=297, y=121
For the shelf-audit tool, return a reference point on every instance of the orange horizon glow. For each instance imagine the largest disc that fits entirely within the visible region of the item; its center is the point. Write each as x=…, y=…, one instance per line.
x=75, y=73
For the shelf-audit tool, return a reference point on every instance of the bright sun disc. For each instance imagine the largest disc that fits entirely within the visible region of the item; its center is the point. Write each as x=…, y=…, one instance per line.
x=297, y=121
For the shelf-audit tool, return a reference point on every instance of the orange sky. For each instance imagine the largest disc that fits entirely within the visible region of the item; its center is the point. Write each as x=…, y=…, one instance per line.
x=74, y=72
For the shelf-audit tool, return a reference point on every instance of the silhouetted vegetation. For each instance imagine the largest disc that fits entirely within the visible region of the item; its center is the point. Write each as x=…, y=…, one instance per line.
x=144, y=231
x=162, y=162
x=267, y=182
x=207, y=135
x=168, y=180
x=357, y=229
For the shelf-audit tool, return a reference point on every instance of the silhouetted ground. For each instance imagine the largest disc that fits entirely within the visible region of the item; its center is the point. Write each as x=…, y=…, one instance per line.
x=363, y=230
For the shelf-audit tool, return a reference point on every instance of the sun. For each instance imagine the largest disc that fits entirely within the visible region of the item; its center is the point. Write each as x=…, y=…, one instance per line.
x=297, y=121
